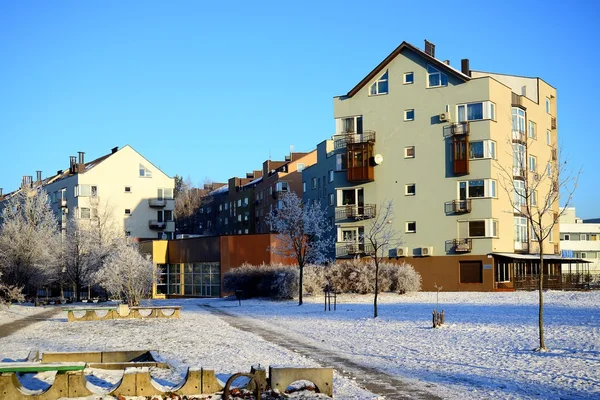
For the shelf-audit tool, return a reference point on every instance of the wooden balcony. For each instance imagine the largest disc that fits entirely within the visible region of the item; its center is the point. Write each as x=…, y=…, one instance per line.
x=462, y=245
x=517, y=100
x=553, y=123
x=360, y=168
x=356, y=213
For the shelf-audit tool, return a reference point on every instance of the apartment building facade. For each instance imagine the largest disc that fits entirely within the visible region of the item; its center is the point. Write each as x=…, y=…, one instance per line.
x=122, y=187
x=439, y=142
x=580, y=239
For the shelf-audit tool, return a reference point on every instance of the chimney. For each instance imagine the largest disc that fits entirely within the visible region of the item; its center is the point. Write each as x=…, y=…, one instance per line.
x=81, y=163
x=447, y=62
x=0, y=191
x=72, y=164
x=38, y=177
x=114, y=150
x=27, y=180
x=429, y=48
x=288, y=158
x=464, y=66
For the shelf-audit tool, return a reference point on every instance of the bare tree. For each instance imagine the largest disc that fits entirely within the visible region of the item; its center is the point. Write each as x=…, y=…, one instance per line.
x=301, y=233
x=127, y=273
x=29, y=240
x=381, y=235
x=535, y=195
x=188, y=200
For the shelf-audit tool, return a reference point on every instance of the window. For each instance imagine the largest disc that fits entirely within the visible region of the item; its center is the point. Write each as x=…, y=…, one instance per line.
x=127, y=233
x=476, y=111
x=409, y=115
x=239, y=202
x=482, y=149
x=521, y=235
x=410, y=189
x=567, y=237
x=532, y=130
x=331, y=199
x=84, y=213
x=547, y=105
x=518, y=120
x=411, y=227
x=94, y=191
x=350, y=124
x=168, y=215
x=436, y=77
x=314, y=183
x=381, y=86
x=303, y=187
x=127, y=189
x=503, y=272
x=534, y=198
x=477, y=188
x=82, y=191
x=518, y=159
x=330, y=175
x=145, y=172
x=471, y=272
x=549, y=170
x=519, y=195
x=127, y=211
x=548, y=138
x=282, y=187
x=480, y=228
x=532, y=163
x=409, y=77
x=341, y=162
x=300, y=167
x=409, y=152
x=583, y=255
x=551, y=236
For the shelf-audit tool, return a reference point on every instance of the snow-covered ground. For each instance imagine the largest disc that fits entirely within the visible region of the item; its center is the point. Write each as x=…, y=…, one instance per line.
x=483, y=351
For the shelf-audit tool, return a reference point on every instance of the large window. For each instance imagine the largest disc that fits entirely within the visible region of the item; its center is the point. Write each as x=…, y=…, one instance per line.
x=518, y=120
x=521, y=235
x=471, y=272
x=351, y=124
x=503, y=272
x=436, y=78
x=518, y=159
x=381, y=86
x=477, y=188
x=476, y=111
x=482, y=149
x=519, y=194
x=480, y=228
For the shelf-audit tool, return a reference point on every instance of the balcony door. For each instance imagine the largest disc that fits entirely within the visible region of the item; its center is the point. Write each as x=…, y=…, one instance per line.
x=159, y=216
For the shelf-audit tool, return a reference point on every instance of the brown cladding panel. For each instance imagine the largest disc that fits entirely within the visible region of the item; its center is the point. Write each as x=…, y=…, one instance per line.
x=204, y=249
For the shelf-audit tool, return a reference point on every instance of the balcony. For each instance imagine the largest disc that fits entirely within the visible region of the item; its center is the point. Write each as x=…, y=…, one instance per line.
x=517, y=100
x=350, y=138
x=521, y=247
x=359, y=159
x=62, y=203
x=461, y=206
x=553, y=123
x=519, y=137
x=157, y=203
x=554, y=154
x=519, y=172
x=355, y=212
x=462, y=245
x=157, y=225
x=460, y=128
x=352, y=249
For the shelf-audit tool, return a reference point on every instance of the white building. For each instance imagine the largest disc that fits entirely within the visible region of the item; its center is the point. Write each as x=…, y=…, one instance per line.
x=122, y=186
x=580, y=239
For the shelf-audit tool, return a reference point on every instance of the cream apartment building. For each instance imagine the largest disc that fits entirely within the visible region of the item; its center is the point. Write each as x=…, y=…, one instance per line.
x=580, y=239
x=121, y=187
x=442, y=144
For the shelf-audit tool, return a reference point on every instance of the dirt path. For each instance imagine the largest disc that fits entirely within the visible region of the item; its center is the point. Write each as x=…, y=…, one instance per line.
x=372, y=379
x=9, y=328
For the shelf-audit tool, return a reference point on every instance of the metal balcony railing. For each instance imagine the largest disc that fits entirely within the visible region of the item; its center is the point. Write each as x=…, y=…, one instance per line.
x=355, y=212
x=351, y=137
x=461, y=206
x=158, y=225
x=462, y=245
x=157, y=203
x=352, y=249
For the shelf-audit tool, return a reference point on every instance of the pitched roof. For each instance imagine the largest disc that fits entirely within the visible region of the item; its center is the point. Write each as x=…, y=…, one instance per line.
x=393, y=54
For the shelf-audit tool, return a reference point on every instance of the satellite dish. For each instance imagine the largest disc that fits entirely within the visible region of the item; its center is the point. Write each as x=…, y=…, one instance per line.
x=378, y=159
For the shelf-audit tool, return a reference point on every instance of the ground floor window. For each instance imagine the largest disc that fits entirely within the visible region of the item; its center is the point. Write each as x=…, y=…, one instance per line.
x=471, y=272
x=190, y=279
x=503, y=272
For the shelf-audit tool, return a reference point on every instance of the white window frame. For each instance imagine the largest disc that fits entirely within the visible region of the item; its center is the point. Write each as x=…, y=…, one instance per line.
x=407, y=188
x=489, y=150
x=407, y=229
x=332, y=199
x=282, y=186
x=532, y=163
x=548, y=105
x=406, y=150
x=375, y=90
x=521, y=230
x=489, y=189
x=548, y=137
x=144, y=172
x=331, y=175
x=406, y=114
x=443, y=78
x=300, y=167
x=406, y=75
x=532, y=130
x=488, y=112
x=518, y=121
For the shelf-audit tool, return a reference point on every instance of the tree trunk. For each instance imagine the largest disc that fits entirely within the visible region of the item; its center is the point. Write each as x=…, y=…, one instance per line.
x=376, y=289
x=77, y=290
x=300, y=285
x=541, y=298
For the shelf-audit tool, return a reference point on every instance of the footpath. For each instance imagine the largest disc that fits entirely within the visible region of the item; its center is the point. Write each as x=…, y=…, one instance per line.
x=376, y=381
x=9, y=328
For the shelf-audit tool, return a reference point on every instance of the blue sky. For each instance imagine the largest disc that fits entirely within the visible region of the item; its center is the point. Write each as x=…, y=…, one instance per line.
x=212, y=89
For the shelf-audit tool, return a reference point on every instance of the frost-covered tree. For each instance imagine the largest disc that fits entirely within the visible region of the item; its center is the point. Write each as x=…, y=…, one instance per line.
x=381, y=235
x=8, y=293
x=127, y=273
x=29, y=240
x=301, y=233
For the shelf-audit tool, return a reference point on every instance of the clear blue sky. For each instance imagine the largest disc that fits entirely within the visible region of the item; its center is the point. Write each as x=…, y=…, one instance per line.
x=211, y=89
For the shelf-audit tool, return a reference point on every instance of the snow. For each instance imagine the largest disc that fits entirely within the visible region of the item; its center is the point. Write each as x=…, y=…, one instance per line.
x=484, y=350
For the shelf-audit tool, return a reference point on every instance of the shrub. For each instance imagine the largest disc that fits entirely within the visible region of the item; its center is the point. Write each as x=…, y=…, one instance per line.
x=266, y=280
x=358, y=276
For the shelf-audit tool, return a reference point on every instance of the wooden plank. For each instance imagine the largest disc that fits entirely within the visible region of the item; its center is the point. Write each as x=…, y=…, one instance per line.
x=39, y=367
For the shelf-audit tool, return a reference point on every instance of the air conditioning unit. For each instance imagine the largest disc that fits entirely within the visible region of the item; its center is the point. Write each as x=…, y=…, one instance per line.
x=445, y=117
x=427, y=251
x=402, y=251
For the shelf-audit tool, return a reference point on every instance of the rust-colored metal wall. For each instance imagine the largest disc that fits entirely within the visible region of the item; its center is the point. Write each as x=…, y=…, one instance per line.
x=203, y=249
x=445, y=271
x=253, y=249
